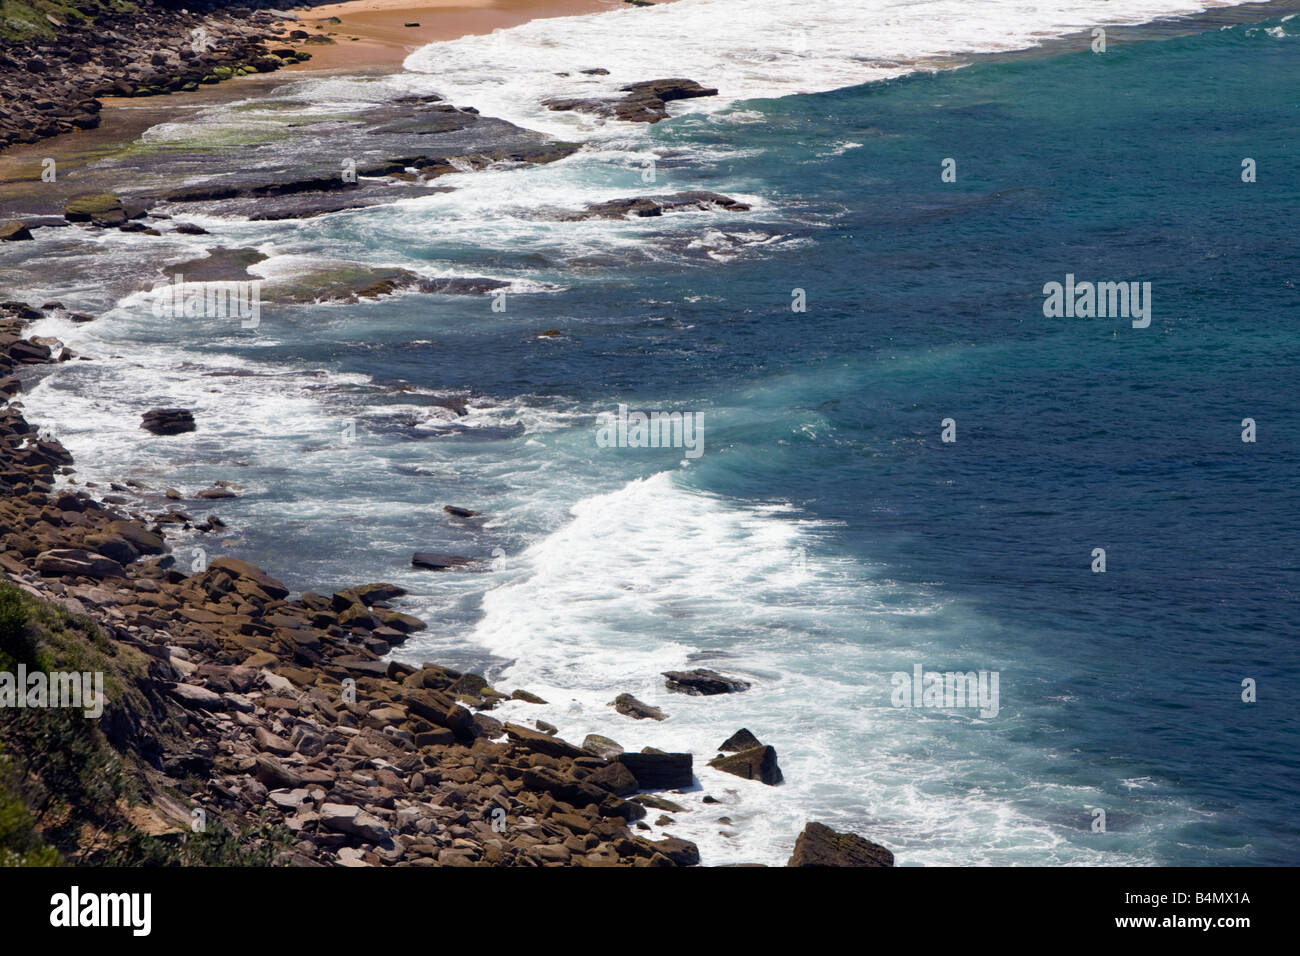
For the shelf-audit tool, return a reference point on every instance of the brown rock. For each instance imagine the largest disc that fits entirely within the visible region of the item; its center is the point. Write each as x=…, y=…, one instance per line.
x=757, y=763
x=629, y=706
x=242, y=570
x=73, y=561
x=543, y=743
x=12, y=230
x=819, y=845
x=659, y=771
x=168, y=421
x=741, y=740
x=703, y=681
x=275, y=775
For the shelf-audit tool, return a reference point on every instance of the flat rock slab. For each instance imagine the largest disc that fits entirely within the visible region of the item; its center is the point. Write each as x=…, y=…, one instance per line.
x=242, y=569
x=543, y=743
x=74, y=561
x=194, y=697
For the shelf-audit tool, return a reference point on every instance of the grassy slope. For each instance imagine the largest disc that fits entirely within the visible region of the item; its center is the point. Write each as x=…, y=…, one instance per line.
x=65, y=789
x=22, y=20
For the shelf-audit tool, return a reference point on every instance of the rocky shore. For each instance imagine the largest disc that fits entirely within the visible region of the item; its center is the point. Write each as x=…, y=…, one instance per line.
x=240, y=705
x=55, y=70
x=277, y=720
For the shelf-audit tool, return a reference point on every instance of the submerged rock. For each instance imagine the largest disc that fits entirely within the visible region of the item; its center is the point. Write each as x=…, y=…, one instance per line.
x=460, y=512
x=645, y=206
x=354, y=281
x=703, y=681
x=644, y=102
x=168, y=421
x=221, y=264
x=432, y=561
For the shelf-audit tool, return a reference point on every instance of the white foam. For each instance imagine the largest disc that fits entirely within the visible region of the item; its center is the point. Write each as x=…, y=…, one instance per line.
x=645, y=578
x=747, y=50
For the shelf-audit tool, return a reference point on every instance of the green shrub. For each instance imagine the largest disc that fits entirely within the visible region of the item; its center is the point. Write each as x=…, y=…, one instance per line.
x=17, y=642
x=20, y=843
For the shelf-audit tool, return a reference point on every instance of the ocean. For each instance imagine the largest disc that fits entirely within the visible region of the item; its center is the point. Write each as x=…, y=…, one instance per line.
x=827, y=537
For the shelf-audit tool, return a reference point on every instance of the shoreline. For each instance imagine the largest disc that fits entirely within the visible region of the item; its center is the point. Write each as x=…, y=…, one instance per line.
x=370, y=39
x=372, y=36
x=383, y=42
x=217, y=94
x=233, y=701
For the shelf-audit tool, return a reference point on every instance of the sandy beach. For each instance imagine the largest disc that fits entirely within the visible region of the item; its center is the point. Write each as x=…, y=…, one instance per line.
x=378, y=35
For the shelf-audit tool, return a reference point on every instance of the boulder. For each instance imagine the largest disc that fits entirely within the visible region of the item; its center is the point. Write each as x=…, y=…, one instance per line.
x=703, y=681
x=543, y=743
x=629, y=706
x=214, y=494
x=819, y=845
x=146, y=542
x=681, y=852
x=405, y=623
x=642, y=102
x=61, y=561
x=601, y=746
x=669, y=89
x=757, y=763
x=12, y=230
x=268, y=742
x=193, y=697
x=27, y=352
x=741, y=740
x=275, y=775
x=615, y=778
x=644, y=206
x=565, y=787
x=256, y=576
x=100, y=208
x=354, y=821
x=168, y=421
x=659, y=771
x=460, y=512
x=372, y=593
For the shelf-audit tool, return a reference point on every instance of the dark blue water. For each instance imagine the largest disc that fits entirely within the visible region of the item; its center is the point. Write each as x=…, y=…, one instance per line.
x=925, y=302
x=1120, y=691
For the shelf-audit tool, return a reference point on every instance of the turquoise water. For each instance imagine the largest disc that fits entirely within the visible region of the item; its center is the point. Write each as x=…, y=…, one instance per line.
x=827, y=537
